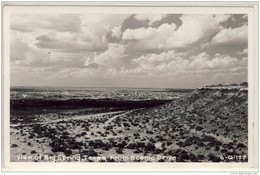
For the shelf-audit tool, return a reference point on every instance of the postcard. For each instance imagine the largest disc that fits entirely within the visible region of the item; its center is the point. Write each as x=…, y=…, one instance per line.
x=152, y=86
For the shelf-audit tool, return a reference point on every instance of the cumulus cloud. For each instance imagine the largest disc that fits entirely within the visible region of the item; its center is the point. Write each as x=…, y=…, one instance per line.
x=68, y=32
x=172, y=63
x=242, y=52
x=167, y=36
x=111, y=57
x=233, y=36
x=104, y=49
x=141, y=33
x=202, y=26
x=116, y=32
x=96, y=26
x=150, y=18
x=205, y=61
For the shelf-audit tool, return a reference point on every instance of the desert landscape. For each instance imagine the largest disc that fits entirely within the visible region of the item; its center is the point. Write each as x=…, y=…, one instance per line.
x=208, y=124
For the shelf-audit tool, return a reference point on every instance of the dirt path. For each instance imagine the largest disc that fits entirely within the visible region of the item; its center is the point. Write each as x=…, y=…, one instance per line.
x=70, y=118
x=116, y=116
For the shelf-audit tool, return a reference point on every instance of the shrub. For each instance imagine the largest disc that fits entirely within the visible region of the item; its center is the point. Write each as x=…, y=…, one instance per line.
x=217, y=148
x=119, y=150
x=241, y=145
x=131, y=145
x=193, y=158
x=149, y=147
x=67, y=152
x=65, y=133
x=213, y=158
x=90, y=153
x=200, y=157
x=244, y=84
x=14, y=145
x=98, y=144
x=199, y=128
x=126, y=124
x=83, y=133
x=223, y=151
x=182, y=156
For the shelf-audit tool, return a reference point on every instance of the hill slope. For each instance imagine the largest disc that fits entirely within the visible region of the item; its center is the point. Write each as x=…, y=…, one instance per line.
x=210, y=124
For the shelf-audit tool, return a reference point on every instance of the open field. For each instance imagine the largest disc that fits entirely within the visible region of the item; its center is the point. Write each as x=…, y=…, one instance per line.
x=206, y=125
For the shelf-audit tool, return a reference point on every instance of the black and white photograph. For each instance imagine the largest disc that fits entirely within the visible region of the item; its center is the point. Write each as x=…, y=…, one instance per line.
x=129, y=87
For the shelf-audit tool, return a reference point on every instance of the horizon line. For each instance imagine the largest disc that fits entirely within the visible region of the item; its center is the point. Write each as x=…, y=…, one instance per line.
x=101, y=87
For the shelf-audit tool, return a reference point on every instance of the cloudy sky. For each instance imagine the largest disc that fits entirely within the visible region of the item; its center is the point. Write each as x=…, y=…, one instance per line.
x=135, y=50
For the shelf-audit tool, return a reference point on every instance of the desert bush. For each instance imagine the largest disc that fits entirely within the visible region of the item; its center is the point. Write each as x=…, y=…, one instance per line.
x=217, y=148
x=149, y=147
x=241, y=145
x=122, y=145
x=131, y=145
x=14, y=145
x=75, y=146
x=107, y=147
x=199, y=128
x=213, y=158
x=160, y=139
x=140, y=144
x=67, y=152
x=149, y=132
x=193, y=158
x=126, y=124
x=119, y=150
x=83, y=133
x=244, y=84
x=98, y=144
x=182, y=156
x=223, y=151
x=65, y=133
x=181, y=144
x=200, y=157
x=152, y=140
x=136, y=134
x=134, y=124
x=91, y=143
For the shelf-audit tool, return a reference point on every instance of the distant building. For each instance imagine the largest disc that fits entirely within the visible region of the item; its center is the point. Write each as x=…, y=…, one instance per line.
x=136, y=92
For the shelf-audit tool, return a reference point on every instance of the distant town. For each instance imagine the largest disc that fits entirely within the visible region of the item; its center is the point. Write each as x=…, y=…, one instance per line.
x=128, y=95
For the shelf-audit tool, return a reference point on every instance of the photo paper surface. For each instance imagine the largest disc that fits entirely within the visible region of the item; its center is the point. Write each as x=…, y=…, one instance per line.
x=93, y=87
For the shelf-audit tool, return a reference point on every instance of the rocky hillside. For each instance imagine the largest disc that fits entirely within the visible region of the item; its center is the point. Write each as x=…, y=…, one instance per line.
x=210, y=124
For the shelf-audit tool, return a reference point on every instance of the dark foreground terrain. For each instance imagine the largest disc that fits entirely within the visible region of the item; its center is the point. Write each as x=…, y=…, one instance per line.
x=206, y=125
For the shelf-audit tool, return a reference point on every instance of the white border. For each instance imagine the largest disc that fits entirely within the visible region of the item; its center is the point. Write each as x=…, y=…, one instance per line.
x=250, y=8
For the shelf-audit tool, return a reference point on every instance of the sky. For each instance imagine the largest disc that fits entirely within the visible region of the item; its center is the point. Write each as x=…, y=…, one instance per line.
x=128, y=50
